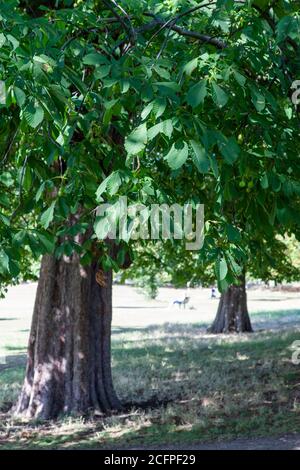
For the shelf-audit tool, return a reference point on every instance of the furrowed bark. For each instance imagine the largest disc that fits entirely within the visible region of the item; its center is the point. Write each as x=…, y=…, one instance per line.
x=68, y=369
x=232, y=315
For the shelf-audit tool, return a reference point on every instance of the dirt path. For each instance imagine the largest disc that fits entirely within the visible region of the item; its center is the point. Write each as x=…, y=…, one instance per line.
x=289, y=442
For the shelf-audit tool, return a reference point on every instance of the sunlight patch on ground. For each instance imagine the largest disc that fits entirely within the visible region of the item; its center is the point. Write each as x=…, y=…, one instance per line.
x=178, y=383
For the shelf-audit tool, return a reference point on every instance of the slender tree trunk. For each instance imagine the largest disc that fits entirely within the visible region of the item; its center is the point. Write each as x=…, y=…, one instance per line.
x=68, y=369
x=232, y=315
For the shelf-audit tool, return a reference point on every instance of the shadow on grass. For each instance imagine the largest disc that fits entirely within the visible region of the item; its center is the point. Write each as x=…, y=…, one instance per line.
x=9, y=319
x=180, y=384
x=15, y=348
x=261, y=318
x=209, y=347
x=171, y=354
x=150, y=435
x=134, y=307
x=281, y=299
x=276, y=314
x=168, y=327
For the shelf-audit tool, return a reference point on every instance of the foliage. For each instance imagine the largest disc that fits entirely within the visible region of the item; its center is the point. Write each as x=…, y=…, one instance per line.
x=160, y=101
x=163, y=263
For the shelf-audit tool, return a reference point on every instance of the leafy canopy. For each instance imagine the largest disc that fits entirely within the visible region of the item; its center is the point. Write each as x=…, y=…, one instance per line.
x=168, y=101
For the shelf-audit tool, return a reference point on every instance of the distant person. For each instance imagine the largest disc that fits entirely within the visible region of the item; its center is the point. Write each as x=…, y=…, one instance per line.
x=213, y=294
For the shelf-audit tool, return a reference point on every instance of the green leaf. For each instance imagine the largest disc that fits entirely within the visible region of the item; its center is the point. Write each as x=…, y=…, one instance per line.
x=223, y=285
x=101, y=189
x=159, y=106
x=86, y=259
x=27, y=179
x=214, y=165
x=2, y=39
x=258, y=99
x=284, y=215
x=6, y=179
x=230, y=150
x=168, y=88
x=102, y=227
x=34, y=114
x=263, y=4
x=113, y=183
x=177, y=155
x=4, y=262
x=58, y=94
x=220, y=97
x=34, y=245
x=19, y=238
x=40, y=191
x=94, y=59
x=146, y=111
x=221, y=269
x=47, y=216
x=73, y=77
x=5, y=219
x=232, y=233
x=288, y=26
x=15, y=43
x=3, y=94
x=20, y=96
x=239, y=78
x=163, y=73
x=264, y=182
x=190, y=66
x=107, y=262
x=137, y=140
x=236, y=268
x=102, y=72
x=200, y=157
x=288, y=111
x=164, y=127
x=14, y=268
x=47, y=241
x=197, y=93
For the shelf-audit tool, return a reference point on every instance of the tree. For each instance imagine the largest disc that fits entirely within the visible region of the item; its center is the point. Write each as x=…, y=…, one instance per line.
x=272, y=261
x=232, y=315
x=92, y=109
x=68, y=367
x=156, y=264
x=159, y=263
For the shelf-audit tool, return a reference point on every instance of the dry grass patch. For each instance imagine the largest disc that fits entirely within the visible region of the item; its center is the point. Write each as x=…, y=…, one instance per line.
x=179, y=384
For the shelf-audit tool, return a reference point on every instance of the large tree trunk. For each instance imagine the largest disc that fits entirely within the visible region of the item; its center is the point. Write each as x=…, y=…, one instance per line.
x=232, y=315
x=68, y=369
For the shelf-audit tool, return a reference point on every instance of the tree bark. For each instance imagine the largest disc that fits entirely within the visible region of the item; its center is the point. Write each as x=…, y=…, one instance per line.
x=69, y=368
x=232, y=315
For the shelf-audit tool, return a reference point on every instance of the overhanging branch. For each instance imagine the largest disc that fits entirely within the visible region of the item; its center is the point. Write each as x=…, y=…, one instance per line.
x=186, y=32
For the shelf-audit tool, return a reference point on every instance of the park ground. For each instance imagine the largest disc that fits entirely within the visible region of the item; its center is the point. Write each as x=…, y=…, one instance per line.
x=181, y=387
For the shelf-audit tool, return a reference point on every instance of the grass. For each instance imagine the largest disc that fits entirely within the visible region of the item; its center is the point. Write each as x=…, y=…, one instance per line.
x=10, y=385
x=179, y=385
x=277, y=315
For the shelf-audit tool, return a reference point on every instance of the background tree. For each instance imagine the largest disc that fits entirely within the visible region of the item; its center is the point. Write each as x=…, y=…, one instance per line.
x=267, y=260
x=158, y=264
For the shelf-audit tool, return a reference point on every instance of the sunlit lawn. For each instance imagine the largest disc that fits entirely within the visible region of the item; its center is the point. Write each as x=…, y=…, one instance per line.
x=178, y=385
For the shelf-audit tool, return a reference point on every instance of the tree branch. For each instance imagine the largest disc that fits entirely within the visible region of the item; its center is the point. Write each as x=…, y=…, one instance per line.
x=265, y=15
x=130, y=30
x=188, y=33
